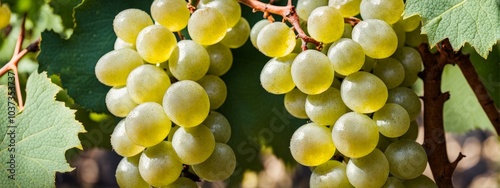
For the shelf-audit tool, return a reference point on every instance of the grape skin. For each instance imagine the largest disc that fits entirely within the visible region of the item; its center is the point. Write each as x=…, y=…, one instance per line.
x=311, y=144
x=159, y=166
x=119, y=102
x=189, y=61
x=312, y=72
x=147, y=125
x=329, y=174
x=113, y=68
x=276, y=40
x=5, y=14
x=295, y=102
x=363, y=92
x=325, y=108
x=256, y=28
x=276, y=75
x=172, y=14
x=201, y=26
x=147, y=83
x=305, y=7
x=369, y=171
x=325, y=24
x=355, y=135
x=193, y=145
x=348, y=8
x=127, y=173
x=122, y=144
x=388, y=10
x=237, y=35
x=407, y=159
x=221, y=59
x=155, y=44
x=377, y=38
x=186, y=103
x=219, y=166
x=219, y=125
x=128, y=23
x=346, y=56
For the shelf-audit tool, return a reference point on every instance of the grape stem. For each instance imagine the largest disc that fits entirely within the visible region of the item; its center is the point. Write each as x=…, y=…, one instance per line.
x=353, y=21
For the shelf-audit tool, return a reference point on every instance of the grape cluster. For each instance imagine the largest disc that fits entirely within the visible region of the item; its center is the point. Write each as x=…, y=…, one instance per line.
x=167, y=89
x=355, y=92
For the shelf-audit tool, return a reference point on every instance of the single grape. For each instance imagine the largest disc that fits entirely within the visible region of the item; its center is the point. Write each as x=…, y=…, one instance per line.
x=193, y=145
x=388, y=10
x=383, y=142
x=113, y=68
x=329, y=174
x=147, y=83
x=346, y=56
x=254, y=32
x=305, y=7
x=219, y=125
x=410, y=23
x=400, y=33
x=392, y=120
x=182, y=182
x=172, y=14
x=230, y=9
x=155, y=44
x=412, y=64
x=393, y=182
x=119, y=44
x=412, y=132
x=216, y=90
x=421, y=181
x=390, y=71
x=159, y=165
x=363, y=92
x=415, y=38
x=5, y=14
x=186, y=103
x=348, y=8
x=325, y=24
x=237, y=35
x=407, y=98
x=325, y=108
x=311, y=144
x=201, y=26
x=219, y=166
x=122, y=144
x=407, y=159
x=119, y=102
x=276, y=40
x=312, y=72
x=189, y=61
x=127, y=173
x=147, y=125
x=221, y=59
x=377, y=38
x=371, y=170
x=355, y=135
x=276, y=76
x=128, y=23
x=295, y=102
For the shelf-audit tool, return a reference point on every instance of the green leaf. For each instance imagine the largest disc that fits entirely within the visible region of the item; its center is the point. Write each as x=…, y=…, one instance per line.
x=473, y=21
x=65, y=8
x=44, y=130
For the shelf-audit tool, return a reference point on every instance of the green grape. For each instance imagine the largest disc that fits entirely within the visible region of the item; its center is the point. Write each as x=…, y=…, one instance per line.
x=420, y=182
x=119, y=44
x=388, y=10
x=383, y=142
x=254, y=32
x=182, y=182
x=305, y=7
x=219, y=166
x=221, y=59
x=127, y=173
x=377, y=38
x=392, y=120
x=369, y=64
x=295, y=102
x=325, y=24
x=390, y=71
x=122, y=144
x=412, y=132
x=400, y=33
x=329, y=174
x=219, y=125
x=393, y=182
x=201, y=26
x=155, y=44
x=325, y=108
x=348, y=8
x=312, y=72
x=411, y=23
x=128, y=23
x=276, y=40
x=216, y=90
x=230, y=9
x=407, y=159
x=113, y=67
x=147, y=125
x=371, y=170
x=186, y=103
x=312, y=145
x=172, y=14
x=412, y=64
x=159, y=165
x=407, y=98
x=276, y=76
x=414, y=38
x=346, y=56
x=189, y=61
x=237, y=35
x=347, y=31
x=119, y=102
x=355, y=135
x=363, y=92
x=5, y=14
x=193, y=145
x=147, y=83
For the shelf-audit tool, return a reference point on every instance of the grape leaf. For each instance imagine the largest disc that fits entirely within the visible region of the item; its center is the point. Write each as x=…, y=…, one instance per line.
x=44, y=130
x=65, y=8
x=473, y=21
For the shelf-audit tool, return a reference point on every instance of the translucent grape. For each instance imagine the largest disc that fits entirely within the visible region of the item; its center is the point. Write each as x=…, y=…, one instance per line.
x=147, y=83
x=276, y=40
x=311, y=145
x=237, y=35
x=412, y=132
x=348, y=8
x=122, y=144
x=407, y=159
x=155, y=44
x=186, y=103
x=325, y=108
x=329, y=174
x=412, y=64
x=369, y=171
x=5, y=14
x=377, y=38
x=295, y=102
x=219, y=166
x=172, y=14
x=305, y=7
x=363, y=92
x=182, y=182
x=415, y=38
x=254, y=32
x=421, y=181
x=189, y=61
x=392, y=120
x=119, y=44
x=276, y=76
x=407, y=98
x=147, y=125
x=355, y=135
x=201, y=26
x=388, y=10
x=128, y=23
x=221, y=59
x=346, y=56
x=325, y=24
x=127, y=173
x=216, y=90
x=312, y=72
x=390, y=71
x=159, y=165
x=230, y=9
x=193, y=145
x=393, y=182
x=219, y=125
x=411, y=23
x=119, y=102
x=113, y=68
x=400, y=33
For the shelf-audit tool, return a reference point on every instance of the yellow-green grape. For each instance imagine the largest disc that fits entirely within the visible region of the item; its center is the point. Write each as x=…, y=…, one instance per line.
x=407, y=98
x=348, y=8
x=392, y=120
x=329, y=174
x=122, y=144
x=325, y=108
x=407, y=159
x=4, y=15
x=186, y=103
x=312, y=72
x=219, y=166
x=113, y=68
x=276, y=76
x=312, y=145
x=369, y=64
x=189, y=61
x=355, y=135
x=207, y=26
x=216, y=90
x=295, y=102
x=127, y=173
x=369, y=171
x=420, y=182
x=254, y=32
x=119, y=44
x=119, y=102
x=325, y=24
x=182, y=182
x=159, y=165
x=411, y=23
x=347, y=31
x=400, y=33
x=346, y=56
x=193, y=145
x=412, y=64
x=412, y=132
x=172, y=14
x=155, y=43
x=230, y=9
x=221, y=59
x=147, y=125
x=377, y=38
x=147, y=83
x=363, y=92
x=305, y=7
x=393, y=182
x=390, y=71
x=383, y=142
x=276, y=40
x=415, y=38
x=219, y=126
x=128, y=23
x=237, y=35
x=388, y=10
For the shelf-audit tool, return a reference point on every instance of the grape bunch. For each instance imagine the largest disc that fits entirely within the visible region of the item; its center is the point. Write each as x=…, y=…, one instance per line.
x=167, y=89
x=355, y=91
